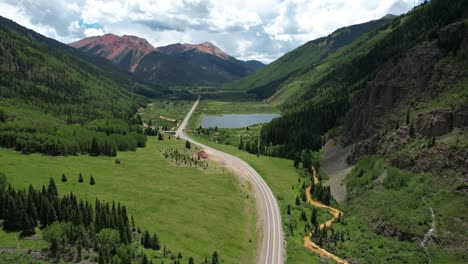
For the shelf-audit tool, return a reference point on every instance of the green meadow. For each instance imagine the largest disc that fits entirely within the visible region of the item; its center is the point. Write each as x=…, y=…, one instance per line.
x=195, y=211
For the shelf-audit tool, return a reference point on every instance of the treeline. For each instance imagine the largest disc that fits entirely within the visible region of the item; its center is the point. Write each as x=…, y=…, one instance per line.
x=303, y=128
x=55, y=103
x=58, y=139
x=69, y=224
x=74, y=227
x=327, y=99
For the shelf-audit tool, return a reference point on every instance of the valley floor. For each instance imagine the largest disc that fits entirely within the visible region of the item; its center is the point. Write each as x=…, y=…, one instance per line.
x=191, y=209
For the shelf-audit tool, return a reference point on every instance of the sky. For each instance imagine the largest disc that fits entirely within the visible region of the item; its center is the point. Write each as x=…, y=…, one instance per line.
x=246, y=29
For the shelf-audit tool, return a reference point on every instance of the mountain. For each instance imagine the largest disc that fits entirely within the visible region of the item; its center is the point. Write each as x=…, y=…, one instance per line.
x=268, y=80
x=125, y=51
x=57, y=100
x=176, y=64
x=205, y=47
x=389, y=113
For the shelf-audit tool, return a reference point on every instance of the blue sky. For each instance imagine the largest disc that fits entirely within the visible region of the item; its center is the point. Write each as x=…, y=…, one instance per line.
x=247, y=29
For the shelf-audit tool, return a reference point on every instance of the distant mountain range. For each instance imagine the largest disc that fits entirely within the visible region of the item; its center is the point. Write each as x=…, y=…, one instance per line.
x=175, y=64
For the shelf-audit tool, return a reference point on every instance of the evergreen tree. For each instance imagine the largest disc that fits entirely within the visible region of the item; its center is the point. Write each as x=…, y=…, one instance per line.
x=313, y=217
x=298, y=202
x=94, y=147
x=52, y=188
x=187, y=144
x=241, y=145
x=91, y=180
x=155, y=242
x=160, y=136
x=289, y=209
x=11, y=219
x=2, y=116
x=191, y=261
x=64, y=178
x=215, y=258
x=146, y=240
x=80, y=178
x=296, y=161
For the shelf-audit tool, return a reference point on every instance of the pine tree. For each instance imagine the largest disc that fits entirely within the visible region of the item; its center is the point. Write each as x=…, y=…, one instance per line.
x=91, y=180
x=296, y=162
x=215, y=258
x=80, y=178
x=160, y=136
x=12, y=216
x=146, y=240
x=94, y=147
x=289, y=209
x=2, y=116
x=313, y=217
x=52, y=188
x=407, y=120
x=191, y=261
x=241, y=145
x=155, y=242
x=64, y=178
x=187, y=144
x=179, y=255
x=298, y=202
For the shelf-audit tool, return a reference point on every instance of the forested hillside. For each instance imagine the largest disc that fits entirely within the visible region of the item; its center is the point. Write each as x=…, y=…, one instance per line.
x=426, y=34
x=265, y=82
x=53, y=102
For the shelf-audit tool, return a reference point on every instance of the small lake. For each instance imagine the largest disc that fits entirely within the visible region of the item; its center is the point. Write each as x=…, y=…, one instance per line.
x=236, y=120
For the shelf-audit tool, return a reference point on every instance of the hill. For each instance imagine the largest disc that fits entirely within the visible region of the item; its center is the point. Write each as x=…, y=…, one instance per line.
x=273, y=77
x=54, y=100
x=175, y=64
x=125, y=51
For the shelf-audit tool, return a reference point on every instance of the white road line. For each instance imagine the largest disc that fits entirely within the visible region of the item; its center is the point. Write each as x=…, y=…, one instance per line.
x=272, y=250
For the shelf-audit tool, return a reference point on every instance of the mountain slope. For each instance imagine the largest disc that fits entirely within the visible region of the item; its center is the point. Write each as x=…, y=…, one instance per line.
x=204, y=47
x=265, y=82
x=125, y=51
x=54, y=102
x=176, y=64
x=398, y=98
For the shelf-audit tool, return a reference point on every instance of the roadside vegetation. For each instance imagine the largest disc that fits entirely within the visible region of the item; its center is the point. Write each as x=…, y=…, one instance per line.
x=162, y=113
x=159, y=195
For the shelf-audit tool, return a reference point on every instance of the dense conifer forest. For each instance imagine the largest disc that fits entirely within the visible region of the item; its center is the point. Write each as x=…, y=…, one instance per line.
x=55, y=103
x=325, y=101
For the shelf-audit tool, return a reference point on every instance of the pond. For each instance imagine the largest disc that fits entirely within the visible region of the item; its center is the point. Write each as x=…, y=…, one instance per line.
x=236, y=120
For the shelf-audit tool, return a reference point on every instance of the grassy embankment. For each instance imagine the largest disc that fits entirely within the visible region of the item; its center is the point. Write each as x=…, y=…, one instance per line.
x=278, y=173
x=191, y=209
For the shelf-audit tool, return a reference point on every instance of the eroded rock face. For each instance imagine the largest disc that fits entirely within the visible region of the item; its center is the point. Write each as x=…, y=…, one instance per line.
x=393, y=85
x=441, y=121
x=460, y=116
x=435, y=123
x=375, y=119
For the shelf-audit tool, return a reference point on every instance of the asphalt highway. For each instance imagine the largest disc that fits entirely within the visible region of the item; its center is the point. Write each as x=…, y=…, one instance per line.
x=272, y=243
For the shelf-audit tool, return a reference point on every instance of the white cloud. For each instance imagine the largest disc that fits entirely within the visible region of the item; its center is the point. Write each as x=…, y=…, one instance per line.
x=89, y=32
x=260, y=29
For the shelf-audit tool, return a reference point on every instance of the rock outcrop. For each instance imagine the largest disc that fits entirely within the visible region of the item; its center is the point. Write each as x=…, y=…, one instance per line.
x=376, y=121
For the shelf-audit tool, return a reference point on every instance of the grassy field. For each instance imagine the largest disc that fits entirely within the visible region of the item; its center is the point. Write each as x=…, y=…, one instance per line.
x=165, y=112
x=194, y=211
x=281, y=176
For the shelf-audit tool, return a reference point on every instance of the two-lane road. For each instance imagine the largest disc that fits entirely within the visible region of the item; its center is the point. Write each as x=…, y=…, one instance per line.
x=272, y=247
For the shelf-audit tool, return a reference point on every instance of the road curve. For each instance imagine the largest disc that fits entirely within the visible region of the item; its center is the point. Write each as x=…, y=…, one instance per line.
x=272, y=247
